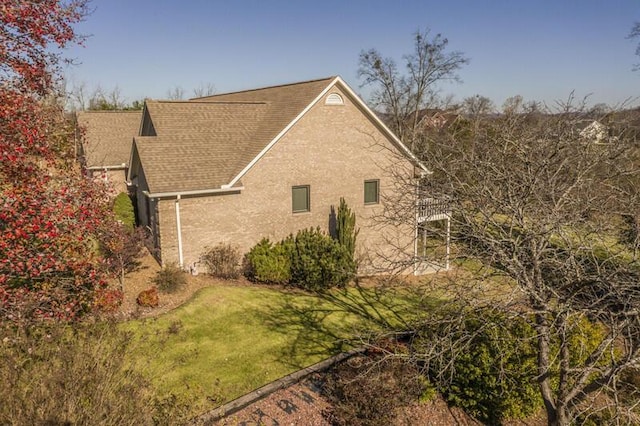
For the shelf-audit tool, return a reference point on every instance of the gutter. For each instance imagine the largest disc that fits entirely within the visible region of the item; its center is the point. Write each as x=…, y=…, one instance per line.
x=120, y=167
x=178, y=195
x=194, y=192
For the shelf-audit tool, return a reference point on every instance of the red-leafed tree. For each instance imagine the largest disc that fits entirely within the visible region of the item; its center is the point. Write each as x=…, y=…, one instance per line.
x=50, y=216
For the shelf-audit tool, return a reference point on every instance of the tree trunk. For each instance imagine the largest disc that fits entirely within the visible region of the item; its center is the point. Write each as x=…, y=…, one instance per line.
x=560, y=417
x=542, y=329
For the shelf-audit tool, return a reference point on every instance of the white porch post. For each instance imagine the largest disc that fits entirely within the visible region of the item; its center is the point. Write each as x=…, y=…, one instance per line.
x=415, y=231
x=448, y=242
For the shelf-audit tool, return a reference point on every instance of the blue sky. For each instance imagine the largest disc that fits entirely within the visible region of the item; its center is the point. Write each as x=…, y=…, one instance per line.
x=540, y=49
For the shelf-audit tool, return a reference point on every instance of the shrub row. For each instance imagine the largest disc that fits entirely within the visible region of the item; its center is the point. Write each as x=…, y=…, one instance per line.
x=311, y=260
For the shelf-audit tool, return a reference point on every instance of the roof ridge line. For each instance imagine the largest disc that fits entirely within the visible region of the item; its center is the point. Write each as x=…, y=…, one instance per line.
x=266, y=87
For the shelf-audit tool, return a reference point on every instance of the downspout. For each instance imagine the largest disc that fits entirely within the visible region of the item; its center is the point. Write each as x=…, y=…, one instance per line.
x=179, y=229
x=178, y=196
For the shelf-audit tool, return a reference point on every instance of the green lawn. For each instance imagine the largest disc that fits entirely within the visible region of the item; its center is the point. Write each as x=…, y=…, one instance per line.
x=229, y=340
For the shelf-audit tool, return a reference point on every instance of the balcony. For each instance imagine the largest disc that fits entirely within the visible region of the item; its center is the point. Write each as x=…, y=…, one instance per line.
x=430, y=209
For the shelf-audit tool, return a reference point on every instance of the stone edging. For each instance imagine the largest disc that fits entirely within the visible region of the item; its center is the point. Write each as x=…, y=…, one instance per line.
x=266, y=390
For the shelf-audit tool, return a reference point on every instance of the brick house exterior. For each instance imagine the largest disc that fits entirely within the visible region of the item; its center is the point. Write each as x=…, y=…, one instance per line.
x=234, y=168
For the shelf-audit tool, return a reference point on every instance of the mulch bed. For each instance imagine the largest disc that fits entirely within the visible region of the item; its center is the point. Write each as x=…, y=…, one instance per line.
x=303, y=404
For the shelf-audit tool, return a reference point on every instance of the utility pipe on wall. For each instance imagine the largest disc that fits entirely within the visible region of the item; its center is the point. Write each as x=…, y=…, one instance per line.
x=179, y=229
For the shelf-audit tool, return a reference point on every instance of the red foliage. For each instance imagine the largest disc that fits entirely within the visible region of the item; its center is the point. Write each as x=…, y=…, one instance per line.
x=148, y=298
x=31, y=32
x=50, y=216
x=108, y=300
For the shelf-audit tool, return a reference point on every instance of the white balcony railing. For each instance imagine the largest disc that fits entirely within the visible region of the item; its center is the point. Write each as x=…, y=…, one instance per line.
x=430, y=209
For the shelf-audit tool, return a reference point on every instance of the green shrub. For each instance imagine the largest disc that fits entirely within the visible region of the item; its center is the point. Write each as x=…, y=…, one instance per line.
x=170, y=279
x=270, y=263
x=494, y=378
x=346, y=232
x=123, y=210
x=222, y=261
x=318, y=262
x=311, y=260
x=370, y=390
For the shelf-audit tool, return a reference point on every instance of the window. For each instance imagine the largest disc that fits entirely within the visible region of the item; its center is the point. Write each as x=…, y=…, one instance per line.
x=372, y=191
x=300, y=198
x=334, y=99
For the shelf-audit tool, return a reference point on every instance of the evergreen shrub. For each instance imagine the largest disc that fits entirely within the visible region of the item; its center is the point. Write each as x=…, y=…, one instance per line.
x=494, y=378
x=311, y=260
x=270, y=263
x=319, y=262
x=123, y=210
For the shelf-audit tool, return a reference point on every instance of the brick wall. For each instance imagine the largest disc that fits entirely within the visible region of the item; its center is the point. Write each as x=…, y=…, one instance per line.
x=334, y=149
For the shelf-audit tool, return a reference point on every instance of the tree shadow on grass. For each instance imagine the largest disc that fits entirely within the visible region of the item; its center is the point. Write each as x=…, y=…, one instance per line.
x=323, y=324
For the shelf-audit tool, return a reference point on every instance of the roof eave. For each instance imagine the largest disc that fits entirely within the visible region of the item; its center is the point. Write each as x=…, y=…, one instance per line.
x=212, y=191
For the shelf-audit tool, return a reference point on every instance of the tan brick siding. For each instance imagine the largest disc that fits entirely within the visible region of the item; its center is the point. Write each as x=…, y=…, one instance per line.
x=116, y=178
x=334, y=149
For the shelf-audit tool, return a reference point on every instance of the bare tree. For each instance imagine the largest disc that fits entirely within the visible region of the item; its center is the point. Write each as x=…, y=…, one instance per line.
x=635, y=34
x=101, y=100
x=176, y=93
x=204, y=89
x=540, y=210
x=403, y=96
x=478, y=105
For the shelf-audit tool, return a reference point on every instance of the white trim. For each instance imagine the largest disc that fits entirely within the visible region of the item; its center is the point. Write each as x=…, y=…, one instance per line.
x=280, y=135
x=195, y=192
x=384, y=127
x=359, y=102
x=120, y=167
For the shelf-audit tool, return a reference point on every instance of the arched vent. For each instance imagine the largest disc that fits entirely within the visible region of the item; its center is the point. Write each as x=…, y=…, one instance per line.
x=334, y=99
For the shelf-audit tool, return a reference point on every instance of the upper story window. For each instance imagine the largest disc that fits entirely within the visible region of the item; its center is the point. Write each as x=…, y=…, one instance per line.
x=300, y=198
x=372, y=191
x=334, y=99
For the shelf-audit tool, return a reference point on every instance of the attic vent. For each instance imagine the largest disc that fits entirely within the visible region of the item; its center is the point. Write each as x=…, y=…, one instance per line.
x=334, y=99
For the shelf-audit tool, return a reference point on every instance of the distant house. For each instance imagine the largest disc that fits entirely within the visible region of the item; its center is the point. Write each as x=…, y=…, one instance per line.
x=106, y=139
x=595, y=132
x=237, y=167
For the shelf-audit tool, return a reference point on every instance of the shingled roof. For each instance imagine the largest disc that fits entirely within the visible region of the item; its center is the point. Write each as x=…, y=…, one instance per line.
x=108, y=136
x=205, y=142
x=208, y=143
x=199, y=145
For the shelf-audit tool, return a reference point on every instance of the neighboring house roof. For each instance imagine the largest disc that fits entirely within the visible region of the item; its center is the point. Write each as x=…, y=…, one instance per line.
x=596, y=132
x=108, y=136
x=211, y=142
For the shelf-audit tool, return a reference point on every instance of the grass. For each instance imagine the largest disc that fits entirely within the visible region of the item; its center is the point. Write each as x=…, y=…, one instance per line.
x=229, y=340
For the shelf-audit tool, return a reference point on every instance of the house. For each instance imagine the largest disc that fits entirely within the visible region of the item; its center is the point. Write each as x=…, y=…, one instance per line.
x=595, y=132
x=234, y=168
x=106, y=138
